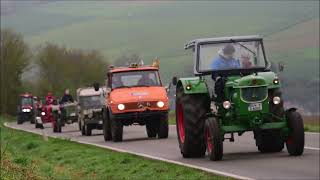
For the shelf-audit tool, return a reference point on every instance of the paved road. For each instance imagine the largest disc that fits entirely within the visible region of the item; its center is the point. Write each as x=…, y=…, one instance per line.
x=241, y=158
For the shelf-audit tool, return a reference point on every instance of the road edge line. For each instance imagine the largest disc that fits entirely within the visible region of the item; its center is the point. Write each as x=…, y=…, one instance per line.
x=312, y=148
x=221, y=173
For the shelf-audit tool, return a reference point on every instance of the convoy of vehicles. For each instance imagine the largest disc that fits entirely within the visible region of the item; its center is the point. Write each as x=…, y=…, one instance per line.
x=233, y=91
x=90, y=104
x=246, y=96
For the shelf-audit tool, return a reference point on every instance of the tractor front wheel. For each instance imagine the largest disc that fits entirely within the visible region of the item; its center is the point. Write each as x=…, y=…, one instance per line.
x=295, y=140
x=116, y=128
x=269, y=141
x=190, y=112
x=214, y=141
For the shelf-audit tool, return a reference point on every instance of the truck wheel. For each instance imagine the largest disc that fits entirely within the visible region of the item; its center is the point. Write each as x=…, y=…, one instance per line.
x=88, y=130
x=106, y=126
x=151, y=127
x=213, y=138
x=33, y=119
x=190, y=110
x=163, y=127
x=83, y=132
x=116, y=129
x=295, y=140
x=269, y=141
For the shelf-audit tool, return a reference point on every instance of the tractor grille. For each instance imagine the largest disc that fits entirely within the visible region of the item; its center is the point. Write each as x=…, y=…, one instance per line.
x=139, y=105
x=254, y=94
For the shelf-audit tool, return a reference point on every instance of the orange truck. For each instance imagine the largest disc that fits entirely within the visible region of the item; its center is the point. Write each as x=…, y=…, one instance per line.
x=134, y=96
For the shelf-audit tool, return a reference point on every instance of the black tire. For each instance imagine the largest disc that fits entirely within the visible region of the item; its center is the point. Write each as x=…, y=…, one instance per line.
x=163, y=130
x=58, y=124
x=88, y=130
x=79, y=124
x=190, y=112
x=33, y=119
x=269, y=141
x=106, y=126
x=152, y=127
x=214, y=140
x=116, y=128
x=295, y=141
x=83, y=132
x=37, y=125
x=19, y=119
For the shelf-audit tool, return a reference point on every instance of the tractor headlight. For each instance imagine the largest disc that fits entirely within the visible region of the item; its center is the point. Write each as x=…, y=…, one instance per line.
x=276, y=81
x=43, y=113
x=26, y=110
x=226, y=104
x=160, y=104
x=121, y=107
x=188, y=87
x=276, y=100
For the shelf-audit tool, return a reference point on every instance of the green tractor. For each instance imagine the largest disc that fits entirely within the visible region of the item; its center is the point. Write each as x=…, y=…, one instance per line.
x=233, y=91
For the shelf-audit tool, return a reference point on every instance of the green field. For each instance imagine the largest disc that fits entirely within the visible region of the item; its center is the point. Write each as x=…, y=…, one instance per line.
x=29, y=156
x=160, y=29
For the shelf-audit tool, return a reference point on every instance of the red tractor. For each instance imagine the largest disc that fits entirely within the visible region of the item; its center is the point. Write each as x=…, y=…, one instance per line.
x=26, y=108
x=46, y=111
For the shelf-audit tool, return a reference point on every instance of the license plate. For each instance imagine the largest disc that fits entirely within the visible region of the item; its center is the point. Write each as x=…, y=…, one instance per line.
x=100, y=122
x=255, y=107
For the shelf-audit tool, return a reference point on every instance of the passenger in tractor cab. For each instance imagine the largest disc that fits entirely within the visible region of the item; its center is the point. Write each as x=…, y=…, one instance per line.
x=146, y=80
x=225, y=59
x=67, y=97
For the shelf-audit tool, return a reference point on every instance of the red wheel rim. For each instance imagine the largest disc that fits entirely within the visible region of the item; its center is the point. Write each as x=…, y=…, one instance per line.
x=290, y=140
x=181, y=123
x=208, y=140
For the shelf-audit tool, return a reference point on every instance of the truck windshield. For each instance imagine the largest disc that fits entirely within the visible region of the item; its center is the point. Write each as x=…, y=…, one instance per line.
x=135, y=79
x=91, y=101
x=233, y=55
x=26, y=101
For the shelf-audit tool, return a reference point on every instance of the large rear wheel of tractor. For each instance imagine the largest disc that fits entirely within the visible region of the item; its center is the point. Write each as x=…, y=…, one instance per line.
x=106, y=126
x=270, y=141
x=116, y=128
x=214, y=141
x=151, y=127
x=190, y=112
x=295, y=140
x=163, y=130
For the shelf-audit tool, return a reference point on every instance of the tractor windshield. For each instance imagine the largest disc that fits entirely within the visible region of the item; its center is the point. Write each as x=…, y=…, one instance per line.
x=91, y=101
x=230, y=55
x=135, y=79
x=25, y=101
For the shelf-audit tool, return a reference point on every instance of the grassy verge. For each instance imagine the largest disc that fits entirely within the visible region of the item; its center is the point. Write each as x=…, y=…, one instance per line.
x=29, y=156
x=311, y=123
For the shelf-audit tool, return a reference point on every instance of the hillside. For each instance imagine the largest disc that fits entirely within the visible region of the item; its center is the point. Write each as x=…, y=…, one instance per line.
x=160, y=29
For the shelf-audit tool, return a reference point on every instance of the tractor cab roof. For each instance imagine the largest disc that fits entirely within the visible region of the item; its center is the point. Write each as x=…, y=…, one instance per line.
x=192, y=43
x=26, y=95
x=133, y=67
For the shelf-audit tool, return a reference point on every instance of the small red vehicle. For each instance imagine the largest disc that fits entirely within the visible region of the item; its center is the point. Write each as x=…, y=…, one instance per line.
x=46, y=114
x=26, y=108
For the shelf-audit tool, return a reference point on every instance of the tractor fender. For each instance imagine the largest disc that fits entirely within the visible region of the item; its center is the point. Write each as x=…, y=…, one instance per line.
x=193, y=85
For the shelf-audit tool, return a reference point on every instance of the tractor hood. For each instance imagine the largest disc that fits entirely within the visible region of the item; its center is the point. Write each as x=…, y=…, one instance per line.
x=136, y=94
x=260, y=79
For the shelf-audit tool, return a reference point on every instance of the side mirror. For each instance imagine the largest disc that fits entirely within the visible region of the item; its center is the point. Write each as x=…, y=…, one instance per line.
x=174, y=80
x=96, y=86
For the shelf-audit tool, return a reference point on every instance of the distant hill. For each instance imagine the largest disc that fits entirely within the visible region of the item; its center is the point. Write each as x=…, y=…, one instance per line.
x=160, y=29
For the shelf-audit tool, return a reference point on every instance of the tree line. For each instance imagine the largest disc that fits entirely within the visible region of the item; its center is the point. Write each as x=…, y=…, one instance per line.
x=53, y=68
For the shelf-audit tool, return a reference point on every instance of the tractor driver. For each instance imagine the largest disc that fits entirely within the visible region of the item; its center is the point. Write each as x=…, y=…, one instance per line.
x=226, y=59
x=67, y=97
x=49, y=98
x=146, y=80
